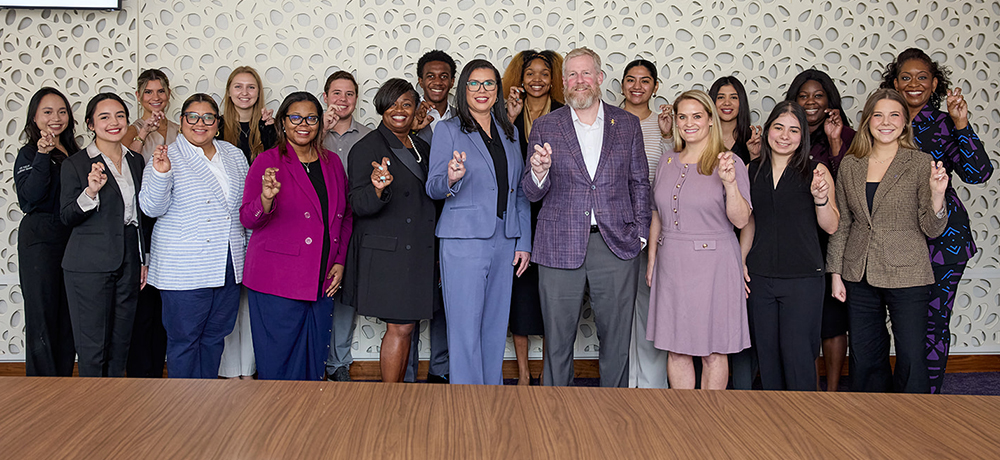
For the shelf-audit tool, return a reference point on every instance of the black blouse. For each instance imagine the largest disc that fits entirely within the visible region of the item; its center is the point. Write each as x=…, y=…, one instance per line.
x=786, y=236
x=315, y=173
x=495, y=145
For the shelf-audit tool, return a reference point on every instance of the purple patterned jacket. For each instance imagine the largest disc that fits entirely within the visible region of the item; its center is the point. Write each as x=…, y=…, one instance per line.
x=618, y=194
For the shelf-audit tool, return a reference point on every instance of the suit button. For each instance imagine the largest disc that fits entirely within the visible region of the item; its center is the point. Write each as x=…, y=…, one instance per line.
x=678, y=185
x=675, y=197
x=586, y=213
x=703, y=245
x=208, y=220
x=407, y=246
x=406, y=194
x=675, y=211
x=339, y=215
x=208, y=201
x=208, y=240
x=682, y=174
x=511, y=190
x=309, y=240
x=593, y=187
x=307, y=215
x=229, y=218
x=334, y=240
x=408, y=220
x=675, y=222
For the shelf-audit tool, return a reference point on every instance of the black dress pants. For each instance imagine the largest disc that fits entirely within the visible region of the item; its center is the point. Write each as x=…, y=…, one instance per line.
x=49, y=350
x=148, y=350
x=870, y=369
x=787, y=315
x=102, y=306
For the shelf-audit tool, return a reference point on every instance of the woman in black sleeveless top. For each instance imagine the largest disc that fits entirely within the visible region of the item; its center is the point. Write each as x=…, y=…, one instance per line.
x=783, y=262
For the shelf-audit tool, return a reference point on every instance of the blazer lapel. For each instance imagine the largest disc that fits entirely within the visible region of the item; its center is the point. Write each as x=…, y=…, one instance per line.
x=232, y=164
x=859, y=178
x=890, y=177
x=569, y=133
x=477, y=140
x=402, y=153
x=111, y=177
x=199, y=162
x=515, y=161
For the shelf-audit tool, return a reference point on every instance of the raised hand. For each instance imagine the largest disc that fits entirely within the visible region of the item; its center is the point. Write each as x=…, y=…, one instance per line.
x=381, y=177
x=521, y=261
x=336, y=275
x=753, y=144
x=939, y=178
x=541, y=160
x=269, y=184
x=456, y=167
x=330, y=118
x=47, y=142
x=514, y=103
x=833, y=125
x=819, y=188
x=161, y=162
x=727, y=168
x=153, y=124
x=96, y=179
x=666, y=120
x=420, y=118
x=958, y=109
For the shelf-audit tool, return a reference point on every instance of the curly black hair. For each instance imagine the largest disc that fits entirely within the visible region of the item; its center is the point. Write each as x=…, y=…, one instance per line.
x=941, y=72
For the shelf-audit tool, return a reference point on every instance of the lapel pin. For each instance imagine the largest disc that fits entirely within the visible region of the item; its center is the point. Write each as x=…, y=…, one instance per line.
x=669, y=159
x=612, y=121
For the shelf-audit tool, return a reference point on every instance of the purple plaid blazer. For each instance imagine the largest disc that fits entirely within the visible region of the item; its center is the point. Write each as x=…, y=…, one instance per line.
x=618, y=194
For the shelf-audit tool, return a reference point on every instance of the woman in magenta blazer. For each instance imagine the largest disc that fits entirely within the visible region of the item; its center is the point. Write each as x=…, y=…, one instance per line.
x=301, y=224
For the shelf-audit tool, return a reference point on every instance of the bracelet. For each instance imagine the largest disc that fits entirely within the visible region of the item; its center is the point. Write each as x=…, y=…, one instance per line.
x=141, y=140
x=823, y=203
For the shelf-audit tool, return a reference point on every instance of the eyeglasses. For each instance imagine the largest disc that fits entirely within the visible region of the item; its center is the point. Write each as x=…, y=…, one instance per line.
x=311, y=120
x=489, y=85
x=193, y=117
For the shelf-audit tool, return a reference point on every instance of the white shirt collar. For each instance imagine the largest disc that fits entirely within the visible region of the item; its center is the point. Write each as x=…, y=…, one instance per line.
x=93, y=151
x=600, y=115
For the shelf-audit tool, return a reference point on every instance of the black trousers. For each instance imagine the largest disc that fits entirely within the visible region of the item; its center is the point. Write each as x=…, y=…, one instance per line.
x=102, y=306
x=870, y=369
x=147, y=352
x=787, y=316
x=48, y=332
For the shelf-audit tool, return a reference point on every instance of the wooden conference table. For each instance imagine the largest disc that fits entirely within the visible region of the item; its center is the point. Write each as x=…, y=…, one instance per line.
x=244, y=419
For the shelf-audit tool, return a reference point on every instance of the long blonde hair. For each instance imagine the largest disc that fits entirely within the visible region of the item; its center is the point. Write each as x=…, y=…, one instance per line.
x=864, y=142
x=231, y=118
x=709, y=158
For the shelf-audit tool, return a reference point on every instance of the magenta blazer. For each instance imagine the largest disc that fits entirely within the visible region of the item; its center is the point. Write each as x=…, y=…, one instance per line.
x=284, y=252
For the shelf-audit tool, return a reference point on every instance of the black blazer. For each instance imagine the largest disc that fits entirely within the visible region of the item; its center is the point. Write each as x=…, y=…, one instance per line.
x=97, y=240
x=390, y=270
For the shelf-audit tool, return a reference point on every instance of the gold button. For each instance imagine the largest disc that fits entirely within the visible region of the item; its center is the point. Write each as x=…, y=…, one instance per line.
x=682, y=174
x=675, y=197
x=678, y=185
x=675, y=211
x=704, y=245
x=675, y=222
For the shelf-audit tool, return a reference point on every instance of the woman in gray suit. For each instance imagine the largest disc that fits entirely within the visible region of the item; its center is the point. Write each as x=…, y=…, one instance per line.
x=879, y=256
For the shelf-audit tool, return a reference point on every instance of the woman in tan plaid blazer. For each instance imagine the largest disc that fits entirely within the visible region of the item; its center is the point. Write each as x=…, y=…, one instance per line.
x=893, y=200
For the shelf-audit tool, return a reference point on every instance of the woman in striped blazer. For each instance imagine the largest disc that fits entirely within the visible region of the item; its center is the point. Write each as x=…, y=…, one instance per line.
x=194, y=189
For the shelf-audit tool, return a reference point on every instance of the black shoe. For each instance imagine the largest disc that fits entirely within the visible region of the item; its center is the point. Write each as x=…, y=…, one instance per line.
x=431, y=378
x=341, y=374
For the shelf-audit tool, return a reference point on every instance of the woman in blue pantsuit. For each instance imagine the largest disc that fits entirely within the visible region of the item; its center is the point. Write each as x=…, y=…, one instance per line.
x=485, y=227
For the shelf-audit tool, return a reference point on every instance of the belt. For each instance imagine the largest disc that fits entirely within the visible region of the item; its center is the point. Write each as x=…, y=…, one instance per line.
x=594, y=229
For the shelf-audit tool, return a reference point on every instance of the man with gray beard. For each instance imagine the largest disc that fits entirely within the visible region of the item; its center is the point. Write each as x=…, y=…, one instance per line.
x=589, y=170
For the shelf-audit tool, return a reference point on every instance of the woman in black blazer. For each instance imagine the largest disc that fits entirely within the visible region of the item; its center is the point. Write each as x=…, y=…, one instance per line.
x=390, y=272
x=41, y=239
x=102, y=264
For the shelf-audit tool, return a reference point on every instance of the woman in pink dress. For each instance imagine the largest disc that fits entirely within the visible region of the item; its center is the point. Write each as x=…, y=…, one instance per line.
x=697, y=302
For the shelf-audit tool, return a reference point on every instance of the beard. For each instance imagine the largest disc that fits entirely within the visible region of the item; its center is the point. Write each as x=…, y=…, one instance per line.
x=582, y=100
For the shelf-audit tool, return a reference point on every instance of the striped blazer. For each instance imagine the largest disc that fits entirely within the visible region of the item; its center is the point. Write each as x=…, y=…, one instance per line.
x=196, y=223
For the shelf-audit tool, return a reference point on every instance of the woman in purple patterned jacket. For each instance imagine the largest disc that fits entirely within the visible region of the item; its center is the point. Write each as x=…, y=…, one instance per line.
x=949, y=138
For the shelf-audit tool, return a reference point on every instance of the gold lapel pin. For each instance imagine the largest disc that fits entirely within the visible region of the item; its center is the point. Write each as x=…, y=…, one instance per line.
x=612, y=121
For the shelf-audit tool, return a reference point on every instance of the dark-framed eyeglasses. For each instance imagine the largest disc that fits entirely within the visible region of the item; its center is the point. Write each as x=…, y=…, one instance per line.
x=488, y=85
x=192, y=118
x=311, y=120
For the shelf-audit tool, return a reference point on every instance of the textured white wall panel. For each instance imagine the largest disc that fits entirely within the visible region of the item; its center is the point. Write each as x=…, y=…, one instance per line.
x=295, y=44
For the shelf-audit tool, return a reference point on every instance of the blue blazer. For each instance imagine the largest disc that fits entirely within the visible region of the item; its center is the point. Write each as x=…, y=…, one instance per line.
x=470, y=205
x=196, y=222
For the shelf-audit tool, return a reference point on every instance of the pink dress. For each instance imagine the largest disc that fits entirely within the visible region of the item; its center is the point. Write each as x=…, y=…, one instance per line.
x=697, y=303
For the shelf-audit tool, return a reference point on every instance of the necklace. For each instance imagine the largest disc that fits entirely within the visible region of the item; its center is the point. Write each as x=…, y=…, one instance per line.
x=884, y=160
x=244, y=133
x=305, y=164
x=415, y=150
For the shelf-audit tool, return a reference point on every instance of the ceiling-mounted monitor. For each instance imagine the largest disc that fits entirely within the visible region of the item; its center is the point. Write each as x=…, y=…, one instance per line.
x=68, y=4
